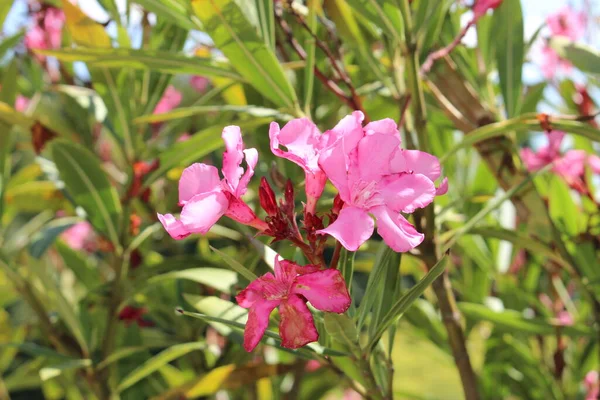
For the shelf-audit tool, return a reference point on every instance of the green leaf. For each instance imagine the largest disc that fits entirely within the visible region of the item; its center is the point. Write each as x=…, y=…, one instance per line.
x=510, y=52
x=491, y=206
x=385, y=14
x=200, y=145
x=266, y=19
x=375, y=282
x=155, y=363
x=88, y=185
x=584, y=57
x=172, y=11
x=185, y=112
x=402, y=304
x=562, y=208
x=46, y=237
x=163, y=61
x=235, y=36
x=79, y=263
x=342, y=329
x=514, y=321
x=221, y=279
x=235, y=265
x=5, y=7
x=48, y=373
x=11, y=41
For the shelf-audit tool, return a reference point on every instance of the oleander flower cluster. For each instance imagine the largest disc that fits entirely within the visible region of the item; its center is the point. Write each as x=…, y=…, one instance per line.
x=378, y=183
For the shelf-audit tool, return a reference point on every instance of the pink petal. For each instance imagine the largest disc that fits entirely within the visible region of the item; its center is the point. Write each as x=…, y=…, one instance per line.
x=258, y=289
x=396, y=231
x=199, y=83
x=233, y=156
x=297, y=327
x=443, y=188
x=481, y=7
x=171, y=99
x=555, y=139
x=532, y=161
x=568, y=23
x=239, y=211
x=202, y=211
x=315, y=183
x=349, y=131
x=21, y=103
x=173, y=226
x=196, y=179
x=325, y=290
x=258, y=321
x=386, y=126
x=285, y=271
x=302, y=139
x=77, y=235
x=333, y=162
x=374, y=155
x=407, y=192
x=417, y=162
x=251, y=156
x=571, y=165
x=594, y=163
x=352, y=228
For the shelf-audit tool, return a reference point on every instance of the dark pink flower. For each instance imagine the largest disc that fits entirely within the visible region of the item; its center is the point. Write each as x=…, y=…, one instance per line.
x=79, y=236
x=303, y=142
x=481, y=7
x=567, y=22
x=170, y=99
x=374, y=176
x=131, y=314
x=570, y=166
x=199, y=83
x=289, y=290
x=592, y=385
x=551, y=62
x=205, y=197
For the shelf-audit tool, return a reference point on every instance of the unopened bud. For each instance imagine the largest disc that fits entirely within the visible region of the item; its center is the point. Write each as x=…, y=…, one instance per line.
x=267, y=197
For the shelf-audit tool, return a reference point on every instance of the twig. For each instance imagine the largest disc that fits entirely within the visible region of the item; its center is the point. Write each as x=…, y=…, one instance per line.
x=327, y=82
x=336, y=255
x=444, y=51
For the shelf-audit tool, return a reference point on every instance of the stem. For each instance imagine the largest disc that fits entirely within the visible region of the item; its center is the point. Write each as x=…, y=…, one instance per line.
x=336, y=255
x=444, y=51
x=373, y=390
x=441, y=286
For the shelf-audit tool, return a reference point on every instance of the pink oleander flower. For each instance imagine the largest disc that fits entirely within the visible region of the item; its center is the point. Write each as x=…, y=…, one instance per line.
x=79, y=236
x=564, y=318
x=304, y=143
x=289, y=290
x=205, y=197
x=374, y=176
x=199, y=83
x=183, y=138
x=551, y=62
x=481, y=7
x=170, y=99
x=35, y=38
x=54, y=21
x=570, y=166
x=21, y=103
x=567, y=22
x=592, y=385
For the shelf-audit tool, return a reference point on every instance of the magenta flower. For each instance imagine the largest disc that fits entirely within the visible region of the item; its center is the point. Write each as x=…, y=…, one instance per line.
x=481, y=7
x=592, y=385
x=570, y=166
x=375, y=176
x=567, y=22
x=170, y=99
x=79, y=236
x=54, y=21
x=21, y=103
x=289, y=290
x=551, y=62
x=304, y=143
x=205, y=197
x=35, y=38
x=199, y=83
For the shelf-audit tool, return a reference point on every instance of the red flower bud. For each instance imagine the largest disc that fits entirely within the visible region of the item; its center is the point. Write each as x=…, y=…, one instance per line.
x=267, y=197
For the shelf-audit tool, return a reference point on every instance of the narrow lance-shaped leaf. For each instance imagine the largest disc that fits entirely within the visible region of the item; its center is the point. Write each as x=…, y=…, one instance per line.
x=88, y=185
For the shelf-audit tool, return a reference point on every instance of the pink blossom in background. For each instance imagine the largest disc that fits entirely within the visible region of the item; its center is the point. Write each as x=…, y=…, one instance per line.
x=374, y=176
x=79, y=236
x=183, y=138
x=170, y=99
x=47, y=31
x=199, y=83
x=304, y=143
x=564, y=318
x=481, y=7
x=570, y=166
x=592, y=385
x=21, y=103
x=205, y=197
x=289, y=290
x=567, y=22
x=551, y=62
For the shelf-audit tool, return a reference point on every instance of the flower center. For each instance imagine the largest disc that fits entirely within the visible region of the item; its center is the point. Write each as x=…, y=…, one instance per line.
x=366, y=195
